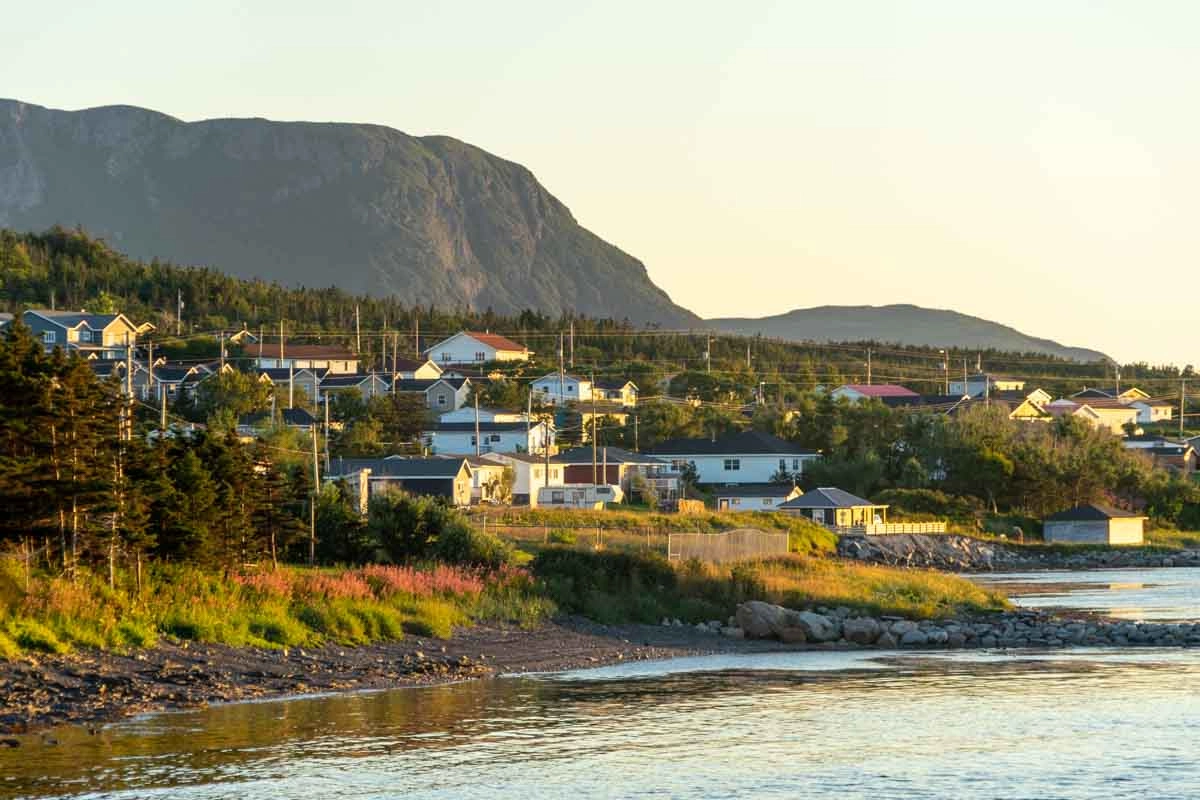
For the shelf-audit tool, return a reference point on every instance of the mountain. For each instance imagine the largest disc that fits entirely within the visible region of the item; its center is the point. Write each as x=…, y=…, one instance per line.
x=362, y=207
x=903, y=324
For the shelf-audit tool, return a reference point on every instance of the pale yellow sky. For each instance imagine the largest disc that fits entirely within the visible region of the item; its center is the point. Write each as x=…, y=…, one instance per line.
x=1029, y=162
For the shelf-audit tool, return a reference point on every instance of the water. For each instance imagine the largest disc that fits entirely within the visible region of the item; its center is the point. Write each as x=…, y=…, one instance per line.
x=1158, y=595
x=1061, y=724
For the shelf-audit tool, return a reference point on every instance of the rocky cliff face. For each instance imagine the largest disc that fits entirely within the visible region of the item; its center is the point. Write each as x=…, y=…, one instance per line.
x=362, y=207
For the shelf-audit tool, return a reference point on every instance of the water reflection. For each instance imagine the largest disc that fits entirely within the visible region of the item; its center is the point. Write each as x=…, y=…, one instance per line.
x=1160, y=595
x=798, y=724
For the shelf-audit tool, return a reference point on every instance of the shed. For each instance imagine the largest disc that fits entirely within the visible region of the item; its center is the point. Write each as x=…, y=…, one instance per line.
x=835, y=508
x=1093, y=523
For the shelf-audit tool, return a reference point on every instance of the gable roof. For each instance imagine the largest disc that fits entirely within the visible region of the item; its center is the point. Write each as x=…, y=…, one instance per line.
x=614, y=384
x=878, y=389
x=335, y=352
x=829, y=497
x=740, y=443
x=344, y=381
x=412, y=365
x=553, y=376
x=425, y=384
x=297, y=417
x=611, y=455
x=933, y=401
x=496, y=341
x=73, y=319
x=283, y=373
x=400, y=467
x=755, y=490
x=1091, y=512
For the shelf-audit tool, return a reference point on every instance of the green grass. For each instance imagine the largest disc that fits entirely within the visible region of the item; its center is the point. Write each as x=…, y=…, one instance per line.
x=285, y=608
x=1175, y=540
x=625, y=587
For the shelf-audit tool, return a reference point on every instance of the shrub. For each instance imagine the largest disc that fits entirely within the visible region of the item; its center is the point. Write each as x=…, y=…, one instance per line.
x=32, y=635
x=459, y=543
x=8, y=648
x=136, y=634
x=562, y=536
x=431, y=617
x=440, y=579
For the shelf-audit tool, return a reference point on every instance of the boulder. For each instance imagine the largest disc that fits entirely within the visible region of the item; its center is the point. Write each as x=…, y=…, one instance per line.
x=886, y=641
x=791, y=634
x=760, y=620
x=816, y=627
x=861, y=630
x=733, y=632
x=914, y=638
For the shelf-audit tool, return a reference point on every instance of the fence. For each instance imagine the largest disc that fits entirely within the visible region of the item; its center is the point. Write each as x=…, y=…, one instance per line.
x=736, y=545
x=640, y=540
x=881, y=528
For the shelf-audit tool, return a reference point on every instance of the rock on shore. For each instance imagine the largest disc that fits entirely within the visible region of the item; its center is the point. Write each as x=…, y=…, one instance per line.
x=967, y=554
x=1022, y=628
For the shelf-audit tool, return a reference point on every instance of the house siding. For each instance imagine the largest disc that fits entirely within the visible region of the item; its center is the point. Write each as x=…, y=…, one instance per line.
x=1121, y=530
x=756, y=468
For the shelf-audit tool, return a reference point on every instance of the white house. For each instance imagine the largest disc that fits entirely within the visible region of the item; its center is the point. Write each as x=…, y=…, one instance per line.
x=1153, y=410
x=981, y=384
x=494, y=437
x=335, y=359
x=531, y=474
x=472, y=347
x=409, y=369
x=744, y=457
x=754, y=496
x=547, y=389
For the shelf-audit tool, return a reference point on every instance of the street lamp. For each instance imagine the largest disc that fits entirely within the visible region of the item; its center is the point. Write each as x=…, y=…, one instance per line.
x=946, y=368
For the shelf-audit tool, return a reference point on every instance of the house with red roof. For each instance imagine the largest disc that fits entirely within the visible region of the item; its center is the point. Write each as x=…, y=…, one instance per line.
x=473, y=347
x=857, y=392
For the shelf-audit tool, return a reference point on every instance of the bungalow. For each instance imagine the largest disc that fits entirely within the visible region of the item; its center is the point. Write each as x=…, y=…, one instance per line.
x=931, y=403
x=472, y=347
x=982, y=384
x=449, y=478
x=442, y=394
x=1111, y=392
x=91, y=335
x=835, y=508
x=336, y=359
x=486, y=478
x=369, y=385
x=1151, y=410
x=617, y=467
x=531, y=473
x=1093, y=523
x=1107, y=413
x=743, y=457
x=580, y=495
x=495, y=437
x=754, y=496
x=549, y=390
x=622, y=392
x=857, y=392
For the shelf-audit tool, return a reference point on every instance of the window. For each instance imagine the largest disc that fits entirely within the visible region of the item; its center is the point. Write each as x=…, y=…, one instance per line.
x=48, y=337
x=447, y=357
x=537, y=472
x=733, y=464
x=441, y=399
x=495, y=437
x=554, y=474
x=472, y=438
x=557, y=497
x=85, y=336
x=481, y=356
x=735, y=501
x=795, y=465
x=570, y=387
x=783, y=464
x=766, y=501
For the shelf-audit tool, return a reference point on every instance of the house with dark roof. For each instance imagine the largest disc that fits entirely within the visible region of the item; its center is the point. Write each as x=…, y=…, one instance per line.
x=927, y=403
x=91, y=335
x=857, y=392
x=494, y=437
x=618, y=391
x=473, y=347
x=616, y=466
x=410, y=369
x=754, y=496
x=982, y=384
x=835, y=508
x=369, y=385
x=248, y=425
x=336, y=359
x=551, y=390
x=442, y=394
x=742, y=457
x=1093, y=523
x=306, y=380
x=1129, y=393
x=448, y=478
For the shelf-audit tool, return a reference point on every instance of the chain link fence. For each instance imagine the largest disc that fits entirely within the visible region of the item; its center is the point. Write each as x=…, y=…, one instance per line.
x=718, y=548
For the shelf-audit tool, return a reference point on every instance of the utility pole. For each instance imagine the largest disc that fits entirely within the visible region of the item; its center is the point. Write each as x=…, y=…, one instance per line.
x=572, y=344
x=417, y=336
x=150, y=368
x=986, y=380
x=222, y=351
x=1182, y=404
x=529, y=417
x=395, y=347
x=326, y=433
x=291, y=386
x=312, y=506
x=357, y=332
x=593, y=429
x=868, y=366
x=635, y=433
x=707, y=353
x=162, y=414
x=561, y=376
x=260, y=346
x=748, y=358
x=179, y=312
x=383, y=362
x=281, y=343
x=476, y=423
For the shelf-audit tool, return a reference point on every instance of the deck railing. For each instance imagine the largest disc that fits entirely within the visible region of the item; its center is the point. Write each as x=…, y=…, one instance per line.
x=883, y=528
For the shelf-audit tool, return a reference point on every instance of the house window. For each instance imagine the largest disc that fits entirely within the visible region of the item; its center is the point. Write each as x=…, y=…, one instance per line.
x=766, y=501
x=733, y=464
x=441, y=399
x=735, y=501
x=554, y=474
x=85, y=336
x=795, y=465
x=537, y=472
x=495, y=437
x=570, y=387
x=447, y=357
x=558, y=497
x=783, y=464
x=48, y=337
x=481, y=356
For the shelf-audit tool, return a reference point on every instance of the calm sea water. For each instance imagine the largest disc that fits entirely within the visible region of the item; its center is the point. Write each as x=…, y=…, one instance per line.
x=1170, y=594
x=1068, y=724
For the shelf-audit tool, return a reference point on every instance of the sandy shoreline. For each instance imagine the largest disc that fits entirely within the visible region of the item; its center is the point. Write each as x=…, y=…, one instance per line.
x=91, y=688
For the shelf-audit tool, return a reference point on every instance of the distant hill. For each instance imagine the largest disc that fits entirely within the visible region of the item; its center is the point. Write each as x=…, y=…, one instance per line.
x=365, y=208
x=903, y=324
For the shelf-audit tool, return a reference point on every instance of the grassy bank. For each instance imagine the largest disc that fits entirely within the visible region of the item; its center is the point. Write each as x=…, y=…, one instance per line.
x=286, y=607
x=622, y=587
x=804, y=536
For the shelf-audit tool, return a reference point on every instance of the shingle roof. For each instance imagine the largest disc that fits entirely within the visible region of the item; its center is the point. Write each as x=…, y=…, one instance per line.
x=320, y=351
x=70, y=319
x=399, y=467
x=283, y=373
x=424, y=384
x=1090, y=512
x=611, y=455
x=496, y=340
x=614, y=384
x=828, y=497
x=298, y=417
x=341, y=381
x=740, y=443
x=755, y=490
x=947, y=401
x=880, y=390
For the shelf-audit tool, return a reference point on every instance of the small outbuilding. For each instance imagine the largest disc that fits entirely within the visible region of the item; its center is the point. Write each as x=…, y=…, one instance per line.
x=1093, y=523
x=835, y=508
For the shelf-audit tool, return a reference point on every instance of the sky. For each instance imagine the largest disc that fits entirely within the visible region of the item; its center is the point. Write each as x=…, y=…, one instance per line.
x=1033, y=163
